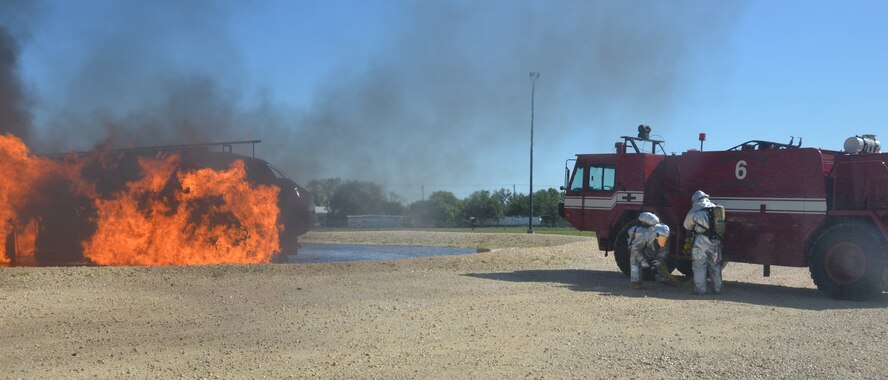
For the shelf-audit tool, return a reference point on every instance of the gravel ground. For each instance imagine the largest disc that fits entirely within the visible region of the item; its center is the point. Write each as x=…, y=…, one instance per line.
x=554, y=308
x=441, y=239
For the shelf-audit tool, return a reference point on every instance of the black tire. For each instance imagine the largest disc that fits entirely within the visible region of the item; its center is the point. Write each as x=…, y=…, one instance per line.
x=289, y=245
x=684, y=266
x=621, y=253
x=621, y=248
x=848, y=262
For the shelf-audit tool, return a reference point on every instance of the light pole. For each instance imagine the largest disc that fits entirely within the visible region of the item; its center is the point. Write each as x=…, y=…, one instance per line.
x=533, y=78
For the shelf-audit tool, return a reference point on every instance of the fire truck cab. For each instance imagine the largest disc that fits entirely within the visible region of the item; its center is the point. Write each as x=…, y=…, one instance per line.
x=786, y=205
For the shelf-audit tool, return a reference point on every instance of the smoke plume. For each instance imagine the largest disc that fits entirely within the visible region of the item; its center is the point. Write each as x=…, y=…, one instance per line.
x=444, y=102
x=15, y=117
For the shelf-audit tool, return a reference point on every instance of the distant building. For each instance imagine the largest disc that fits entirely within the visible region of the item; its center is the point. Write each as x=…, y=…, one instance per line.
x=375, y=221
x=321, y=216
x=510, y=221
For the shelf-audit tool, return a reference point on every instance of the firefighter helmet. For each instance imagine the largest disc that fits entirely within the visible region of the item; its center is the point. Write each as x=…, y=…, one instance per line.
x=648, y=219
x=698, y=195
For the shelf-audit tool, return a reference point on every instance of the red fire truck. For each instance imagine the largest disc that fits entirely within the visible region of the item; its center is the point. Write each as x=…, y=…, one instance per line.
x=786, y=204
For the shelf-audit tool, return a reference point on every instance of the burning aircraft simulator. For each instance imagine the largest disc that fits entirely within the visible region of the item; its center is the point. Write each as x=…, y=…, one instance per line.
x=165, y=205
x=786, y=204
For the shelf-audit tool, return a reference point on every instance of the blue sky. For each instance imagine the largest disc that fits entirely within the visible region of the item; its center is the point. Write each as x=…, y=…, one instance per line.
x=815, y=70
x=435, y=95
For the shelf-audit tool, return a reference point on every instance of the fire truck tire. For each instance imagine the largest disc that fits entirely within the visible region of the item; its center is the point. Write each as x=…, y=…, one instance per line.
x=621, y=248
x=289, y=246
x=848, y=262
x=684, y=267
x=621, y=252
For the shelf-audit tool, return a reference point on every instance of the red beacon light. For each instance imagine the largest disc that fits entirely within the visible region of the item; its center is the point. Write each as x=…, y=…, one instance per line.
x=620, y=147
x=702, y=138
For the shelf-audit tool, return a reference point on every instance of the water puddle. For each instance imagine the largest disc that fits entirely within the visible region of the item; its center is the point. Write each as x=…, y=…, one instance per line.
x=327, y=253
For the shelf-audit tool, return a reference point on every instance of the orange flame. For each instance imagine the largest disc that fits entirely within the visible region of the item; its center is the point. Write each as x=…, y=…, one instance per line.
x=163, y=230
x=168, y=216
x=19, y=175
x=26, y=243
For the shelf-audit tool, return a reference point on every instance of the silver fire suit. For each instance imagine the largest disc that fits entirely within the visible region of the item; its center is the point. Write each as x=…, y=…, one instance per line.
x=706, y=252
x=644, y=249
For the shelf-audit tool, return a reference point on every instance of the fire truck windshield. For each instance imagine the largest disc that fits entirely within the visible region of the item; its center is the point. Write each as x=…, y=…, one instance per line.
x=601, y=178
x=577, y=184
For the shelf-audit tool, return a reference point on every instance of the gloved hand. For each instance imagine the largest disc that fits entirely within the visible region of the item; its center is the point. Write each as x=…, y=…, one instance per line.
x=655, y=264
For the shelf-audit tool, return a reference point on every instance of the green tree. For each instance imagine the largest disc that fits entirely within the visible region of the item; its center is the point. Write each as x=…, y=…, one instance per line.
x=483, y=206
x=322, y=190
x=356, y=198
x=442, y=209
x=420, y=213
x=503, y=196
x=447, y=208
x=545, y=205
x=394, y=205
x=518, y=205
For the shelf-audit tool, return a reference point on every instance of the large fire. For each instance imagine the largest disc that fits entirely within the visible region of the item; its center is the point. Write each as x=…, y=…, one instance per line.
x=20, y=175
x=165, y=215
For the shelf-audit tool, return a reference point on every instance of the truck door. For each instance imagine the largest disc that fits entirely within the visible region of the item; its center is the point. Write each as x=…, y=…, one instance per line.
x=598, y=195
x=590, y=195
x=574, y=185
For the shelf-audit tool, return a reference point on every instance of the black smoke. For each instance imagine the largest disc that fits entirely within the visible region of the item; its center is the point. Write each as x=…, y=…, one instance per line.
x=445, y=101
x=15, y=101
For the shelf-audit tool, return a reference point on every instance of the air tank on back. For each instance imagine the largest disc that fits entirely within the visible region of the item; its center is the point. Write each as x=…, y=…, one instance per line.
x=862, y=144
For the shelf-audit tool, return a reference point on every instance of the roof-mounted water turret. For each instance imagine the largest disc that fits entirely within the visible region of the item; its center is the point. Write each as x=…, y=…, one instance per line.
x=644, y=136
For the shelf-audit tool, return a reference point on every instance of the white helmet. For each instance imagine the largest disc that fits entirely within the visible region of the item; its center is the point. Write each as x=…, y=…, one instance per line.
x=661, y=232
x=648, y=219
x=661, y=229
x=699, y=194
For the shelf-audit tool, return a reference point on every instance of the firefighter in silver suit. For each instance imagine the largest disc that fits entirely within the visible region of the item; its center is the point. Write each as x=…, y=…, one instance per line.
x=647, y=247
x=706, y=251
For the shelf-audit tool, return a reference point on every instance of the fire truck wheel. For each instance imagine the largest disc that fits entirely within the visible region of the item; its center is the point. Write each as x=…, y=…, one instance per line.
x=289, y=246
x=848, y=262
x=621, y=248
x=683, y=266
x=621, y=253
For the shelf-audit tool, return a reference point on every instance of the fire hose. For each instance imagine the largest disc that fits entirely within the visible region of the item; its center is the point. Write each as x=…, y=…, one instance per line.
x=672, y=279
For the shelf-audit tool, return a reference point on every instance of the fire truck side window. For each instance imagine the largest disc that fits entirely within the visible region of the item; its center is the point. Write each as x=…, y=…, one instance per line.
x=601, y=178
x=576, y=185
